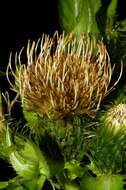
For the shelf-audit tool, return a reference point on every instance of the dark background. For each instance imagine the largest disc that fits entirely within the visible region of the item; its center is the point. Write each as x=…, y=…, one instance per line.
x=16, y=20
x=41, y=17
x=18, y=24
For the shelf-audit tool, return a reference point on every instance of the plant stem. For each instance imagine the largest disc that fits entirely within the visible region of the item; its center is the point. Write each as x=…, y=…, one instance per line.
x=66, y=184
x=41, y=182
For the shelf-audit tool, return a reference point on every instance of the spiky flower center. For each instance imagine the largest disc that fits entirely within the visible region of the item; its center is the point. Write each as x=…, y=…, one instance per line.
x=64, y=75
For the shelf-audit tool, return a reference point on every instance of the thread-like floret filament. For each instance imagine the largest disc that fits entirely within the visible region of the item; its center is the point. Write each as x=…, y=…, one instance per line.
x=64, y=74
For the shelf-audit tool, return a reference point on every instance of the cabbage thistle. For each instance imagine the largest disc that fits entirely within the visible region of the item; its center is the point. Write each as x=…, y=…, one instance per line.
x=64, y=75
x=61, y=81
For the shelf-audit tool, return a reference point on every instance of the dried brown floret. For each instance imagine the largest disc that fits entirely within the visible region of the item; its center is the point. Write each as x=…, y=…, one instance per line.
x=64, y=75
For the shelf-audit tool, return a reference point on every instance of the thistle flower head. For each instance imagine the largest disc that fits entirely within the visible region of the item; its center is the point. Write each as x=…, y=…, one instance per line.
x=64, y=75
x=116, y=116
x=111, y=141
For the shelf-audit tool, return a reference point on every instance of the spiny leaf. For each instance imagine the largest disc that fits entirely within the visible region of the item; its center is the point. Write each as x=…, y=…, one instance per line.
x=105, y=182
x=111, y=12
x=28, y=162
x=79, y=15
x=3, y=184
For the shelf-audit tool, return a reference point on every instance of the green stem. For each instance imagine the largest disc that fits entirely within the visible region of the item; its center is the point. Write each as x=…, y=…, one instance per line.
x=41, y=182
x=35, y=184
x=66, y=184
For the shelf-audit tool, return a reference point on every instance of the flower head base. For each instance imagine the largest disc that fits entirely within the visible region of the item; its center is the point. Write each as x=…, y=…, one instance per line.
x=64, y=75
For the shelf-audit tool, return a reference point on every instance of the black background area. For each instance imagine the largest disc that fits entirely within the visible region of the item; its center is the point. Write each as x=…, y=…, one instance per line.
x=40, y=16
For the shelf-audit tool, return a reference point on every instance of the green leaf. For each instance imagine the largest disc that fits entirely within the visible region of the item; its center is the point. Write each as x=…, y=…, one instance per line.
x=13, y=187
x=105, y=182
x=12, y=184
x=74, y=170
x=106, y=17
x=35, y=184
x=17, y=183
x=111, y=12
x=3, y=185
x=29, y=162
x=123, y=23
x=79, y=15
